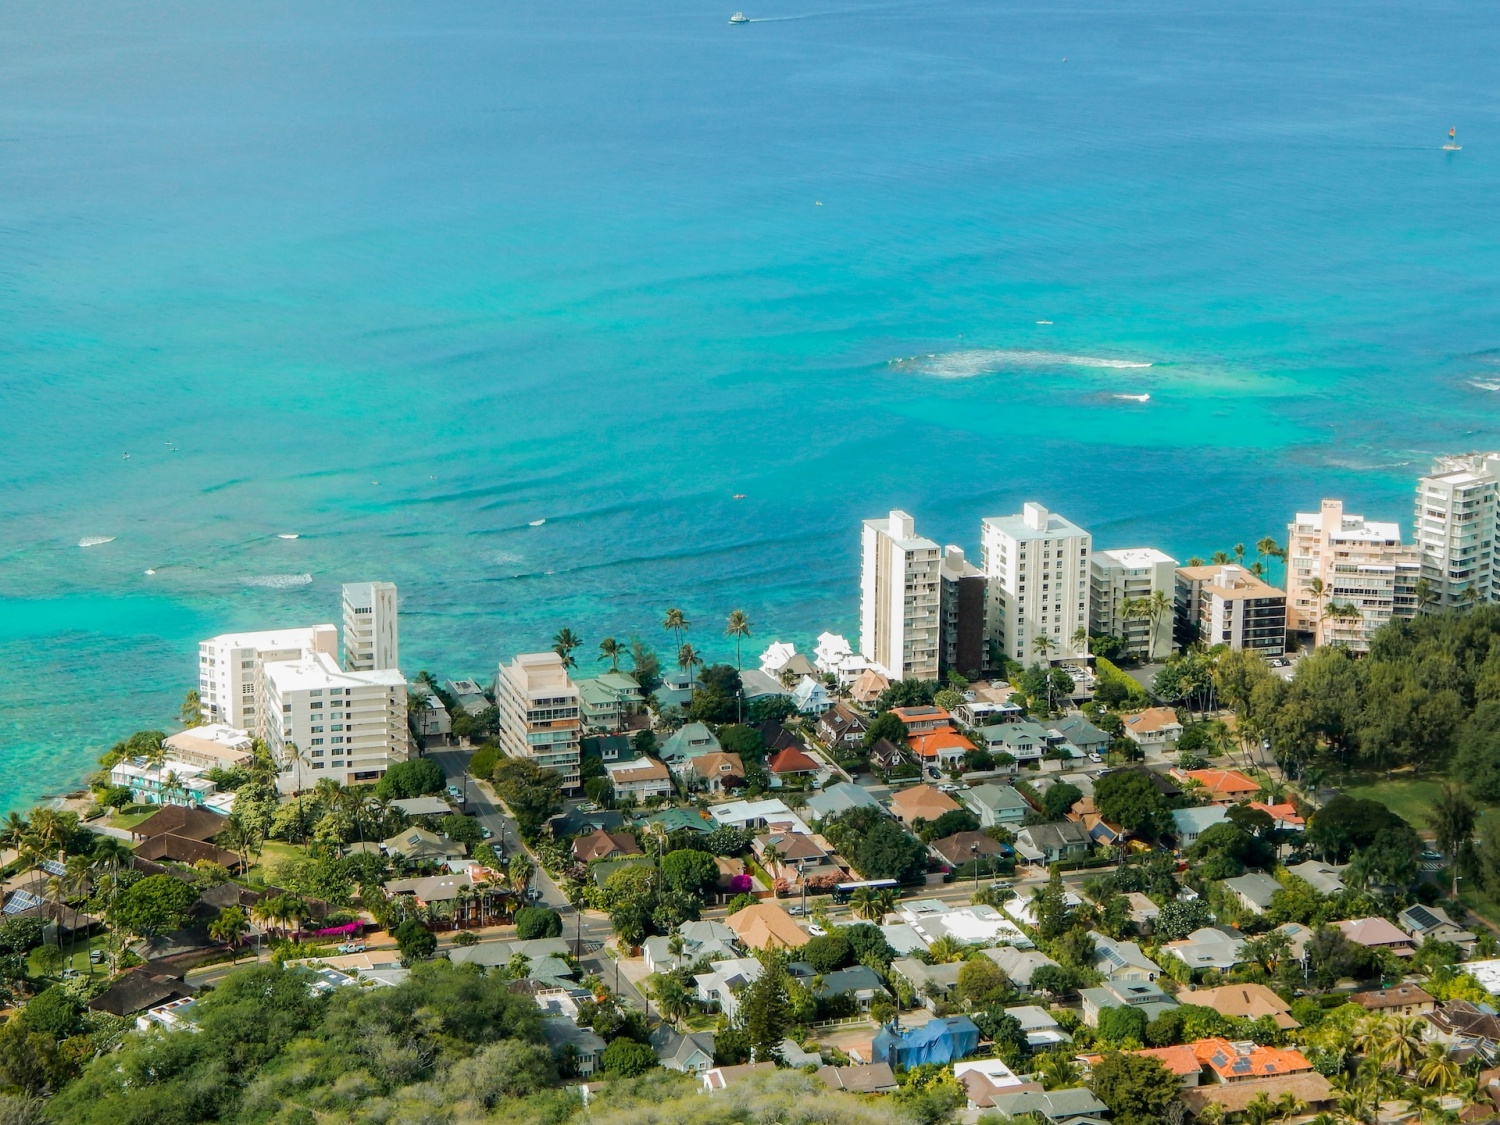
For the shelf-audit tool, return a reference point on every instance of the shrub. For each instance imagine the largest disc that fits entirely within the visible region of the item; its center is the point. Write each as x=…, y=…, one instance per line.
x=537, y=922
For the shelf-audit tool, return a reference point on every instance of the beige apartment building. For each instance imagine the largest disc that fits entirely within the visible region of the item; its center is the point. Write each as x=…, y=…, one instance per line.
x=1367, y=574
x=1036, y=565
x=1455, y=529
x=540, y=713
x=899, y=598
x=1130, y=576
x=1227, y=605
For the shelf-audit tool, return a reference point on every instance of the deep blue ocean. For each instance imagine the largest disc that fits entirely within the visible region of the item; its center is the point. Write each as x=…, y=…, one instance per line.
x=401, y=279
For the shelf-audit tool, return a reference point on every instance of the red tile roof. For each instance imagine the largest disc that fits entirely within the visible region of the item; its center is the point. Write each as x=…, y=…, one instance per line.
x=791, y=760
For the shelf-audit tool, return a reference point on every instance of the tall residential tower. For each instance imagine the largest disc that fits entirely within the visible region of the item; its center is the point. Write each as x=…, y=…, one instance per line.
x=1454, y=529
x=1367, y=576
x=1037, y=567
x=899, y=598
x=370, y=632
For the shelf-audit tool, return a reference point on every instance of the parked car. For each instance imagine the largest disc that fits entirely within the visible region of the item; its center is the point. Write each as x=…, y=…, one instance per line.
x=796, y=911
x=1096, y=757
x=485, y=832
x=816, y=930
x=455, y=792
x=534, y=893
x=96, y=956
x=934, y=772
x=351, y=947
x=948, y=787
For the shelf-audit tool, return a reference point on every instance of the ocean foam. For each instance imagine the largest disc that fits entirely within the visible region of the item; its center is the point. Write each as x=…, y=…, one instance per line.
x=1481, y=385
x=991, y=361
x=95, y=540
x=280, y=581
x=505, y=558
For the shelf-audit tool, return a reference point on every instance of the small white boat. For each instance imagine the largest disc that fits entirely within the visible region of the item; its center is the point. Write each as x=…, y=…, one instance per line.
x=739, y=17
x=1453, y=145
x=536, y=523
x=287, y=535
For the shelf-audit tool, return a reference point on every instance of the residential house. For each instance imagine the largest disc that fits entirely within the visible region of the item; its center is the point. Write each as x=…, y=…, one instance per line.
x=679, y=820
x=423, y=806
x=607, y=701
x=842, y=725
x=677, y=689
x=1073, y=1106
x=1024, y=741
x=1254, y=890
x=795, y=853
x=721, y=986
x=920, y=802
x=1223, y=785
x=1308, y=1089
x=1462, y=1025
x=932, y=984
x=834, y=656
x=1283, y=814
x=1122, y=960
x=470, y=696
x=580, y=1045
x=1239, y=1062
x=1042, y=1031
x=987, y=703
x=688, y=741
x=1211, y=947
x=1023, y=910
x=1377, y=933
x=138, y=990
x=838, y=798
x=791, y=762
x=964, y=847
x=685, y=1052
x=1077, y=731
x=604, y=845
x=902, y=937
x=575, y=823
x=1019, y=964
x=1189, y=824
x=1398, y=1000
x=1181, y=1061
x=860, y=983
x=811, y=696
x=996, y=805
x=982, y=1079
x=1243, y=1001
x=1141, y=994
x=724, y=1077
x=885, y=755
x=1424, y=922
x=1321, y=877
x=766, y=925
x=868, y=686
x=755, y=684
x=755, y=816
x=642, y=780
x=718, y=772
x=1155, y=730
x=1143, y=912
x=938, y=1041
x=876, y=1078
x=923, y=720
x=942, y=748
x=776, y=736
x=417, y=845
x=968, y=925
x=1049, y=843
x=432, y=888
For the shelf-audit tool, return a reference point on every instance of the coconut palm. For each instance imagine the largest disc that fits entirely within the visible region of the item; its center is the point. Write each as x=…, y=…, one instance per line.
x=563, y=644
x=738, y=627
x=1220, y=558
x=1402, y=1043
x=1260, y=1111
x=947, y=949
x=13, y=830
x=611, y=650
x=237, y=837
x=519, y=872
x=1081, y=640
x=1426, y=595
x=1437, y=1070
x=671, y=999
x=1266, y=548
x=1056, y=1068
x=155, y=758
x=676, y=624
x=871, y=904
x=687, y=660
x=227, y=928
x=299, y=759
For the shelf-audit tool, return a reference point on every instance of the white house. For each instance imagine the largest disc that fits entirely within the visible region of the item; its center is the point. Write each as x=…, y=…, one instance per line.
x=642, y=779
x=756, y=815
x=811, y=697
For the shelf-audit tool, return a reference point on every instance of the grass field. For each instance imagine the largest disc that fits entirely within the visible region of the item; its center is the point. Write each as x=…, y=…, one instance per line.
x=1409, y=798
x=273, y=852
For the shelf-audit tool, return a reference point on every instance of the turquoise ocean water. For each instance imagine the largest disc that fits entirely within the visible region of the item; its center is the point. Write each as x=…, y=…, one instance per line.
x=403, y=278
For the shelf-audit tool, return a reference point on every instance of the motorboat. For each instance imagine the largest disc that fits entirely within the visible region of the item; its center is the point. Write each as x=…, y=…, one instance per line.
x=739, y=17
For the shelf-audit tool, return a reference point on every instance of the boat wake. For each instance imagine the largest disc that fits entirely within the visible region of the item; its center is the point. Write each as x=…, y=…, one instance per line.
x=280, y=581
x=1132, y=398
x=95, y=540
x=992, y=361
x=1482, y=385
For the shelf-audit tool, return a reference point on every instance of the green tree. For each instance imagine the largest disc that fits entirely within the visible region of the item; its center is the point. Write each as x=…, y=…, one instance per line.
x=611, y=650
x=154, y=905
x=1122, y=1026
x=1128, y=798
x=1452, y=819
x=625, y=1058
x=416, y=778
x=563, y=644
x=1060, y=797
x=463, y=830
x=738, y=627
x=415, y=941
x=228, y=926
x=55, y=1012
x=765, y=1007
x=688, y=871
x=1137, y=1088
x=1053, y=915
x=531, y=792
x=537, y=922
x=886, y=726
x=828, y=953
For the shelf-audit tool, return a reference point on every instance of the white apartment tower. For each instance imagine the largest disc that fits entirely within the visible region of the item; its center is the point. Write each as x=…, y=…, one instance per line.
x=899, y=618
x=350, y=726
x=1037, y=567
x=539, y=713
x=370, y=632
x=1368, y=576
x=1454, y=529
x=229, y=669
x=1123, y=585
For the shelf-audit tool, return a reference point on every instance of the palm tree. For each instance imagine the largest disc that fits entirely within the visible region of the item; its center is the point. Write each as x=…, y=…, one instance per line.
x=1425, y=593
x=1260, y=1111
x=1470, y=595
x=1267, y=548
x=738, y=627
x=1081, y=640
x=156, y=757
x=947, y=949
x=13, y=830
x=870, y=904
x=1452, y=819
x=671, y=999
x=1042, y=645
x=611, y=650
x=191, y=712
x=299, y=759
x=1437, y=1070
x=1220, y=558
x=227, y=928
x=237, y=837
x=1057, y=1070
x=687, y=660
x=1402, y=1044
x=1157, y=606
x=1239, y=553
x=676, y=624
x=520, y=871
x=563, y=644
x=171, y=787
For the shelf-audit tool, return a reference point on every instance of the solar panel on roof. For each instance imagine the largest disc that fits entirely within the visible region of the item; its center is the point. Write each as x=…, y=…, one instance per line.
x=21, y=901
x=1241, y=1066
x=1422, y=916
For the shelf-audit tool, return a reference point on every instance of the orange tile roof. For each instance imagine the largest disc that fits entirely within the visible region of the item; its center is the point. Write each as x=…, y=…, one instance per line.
x=1235, y=1061
x=765, y=925
x=791, y=760
x=928, y=745
x=1180, y=1060
x=1285, y=812
x=1153, y=719
x=921, y=801
x=1224, y=782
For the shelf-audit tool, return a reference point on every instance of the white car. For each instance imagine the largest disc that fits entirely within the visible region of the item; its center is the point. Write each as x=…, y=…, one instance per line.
x=948, y=787
x=1096, y=757
x=816, y=930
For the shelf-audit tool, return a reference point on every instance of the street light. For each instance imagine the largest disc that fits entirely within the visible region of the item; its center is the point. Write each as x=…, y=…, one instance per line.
x=974, y=851
x=802, y=882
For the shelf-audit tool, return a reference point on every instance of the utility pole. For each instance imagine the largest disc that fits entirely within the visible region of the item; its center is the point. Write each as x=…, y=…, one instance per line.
x=974, y=851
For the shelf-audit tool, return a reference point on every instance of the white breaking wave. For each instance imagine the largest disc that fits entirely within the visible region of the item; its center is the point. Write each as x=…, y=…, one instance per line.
x=95, y=540
x=280, y=581
x=1479, y=384
x=287, y=535
x=990, y=361
x=505, y=558
x=1134, y=398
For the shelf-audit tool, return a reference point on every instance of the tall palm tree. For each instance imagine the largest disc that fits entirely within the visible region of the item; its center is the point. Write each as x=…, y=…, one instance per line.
x=1320, y=594
x=1437, y=1070
x=227, y=927
x=676, y=624
x=611, y=650
x=1402, y=1042
x=1266, y=548
x=155, y=758
x=1220, y=558
x=13, y=830
x=1081, y=640
x=171, y=786
x=298, y=758
x=1057, y=1070
x=1158, y=606
x=1426, y=595
x=237, y=837
x=671, y=999
x=738, y=627
x=1239, y=553
x=563, y=644
x=687, y=660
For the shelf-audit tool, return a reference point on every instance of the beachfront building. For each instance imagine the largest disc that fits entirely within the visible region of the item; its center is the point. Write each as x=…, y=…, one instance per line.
x=321, y=721
x=370, y=634
x=961, y=614
x=230, y=666
x=1123, y=585
x=539, y=713
x=899, y=612
x=1455, y=529
x=1037, y=569
x=1230, y=606
x=1367, y=576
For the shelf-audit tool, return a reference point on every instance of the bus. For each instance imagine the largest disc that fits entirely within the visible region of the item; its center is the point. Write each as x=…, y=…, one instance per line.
x=842, y=891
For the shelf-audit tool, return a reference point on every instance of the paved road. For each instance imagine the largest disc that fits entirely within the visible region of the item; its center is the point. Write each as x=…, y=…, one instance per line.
x=595, y=930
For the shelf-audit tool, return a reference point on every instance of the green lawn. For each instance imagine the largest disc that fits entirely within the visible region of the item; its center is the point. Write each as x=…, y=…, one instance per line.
x=1409, y=798
x=273, y=852
x=128, y=821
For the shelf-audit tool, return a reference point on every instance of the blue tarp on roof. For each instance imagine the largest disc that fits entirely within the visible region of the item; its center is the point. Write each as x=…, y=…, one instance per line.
x=940, y=1041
